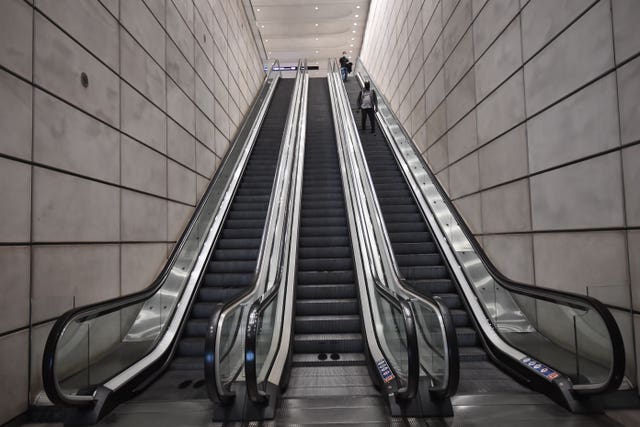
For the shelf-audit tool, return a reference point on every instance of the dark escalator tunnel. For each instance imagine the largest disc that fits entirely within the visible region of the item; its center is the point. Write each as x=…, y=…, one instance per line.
x=232, y=264
x=421, y=262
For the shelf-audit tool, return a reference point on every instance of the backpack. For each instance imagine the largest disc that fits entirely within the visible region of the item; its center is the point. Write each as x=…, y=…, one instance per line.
x=367, y=99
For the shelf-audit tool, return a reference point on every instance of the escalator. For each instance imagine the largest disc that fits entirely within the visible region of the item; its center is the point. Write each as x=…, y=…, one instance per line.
x=328, y=362
x=149, y=347
x=232, y=263
x=517, y=343
x=421, y=263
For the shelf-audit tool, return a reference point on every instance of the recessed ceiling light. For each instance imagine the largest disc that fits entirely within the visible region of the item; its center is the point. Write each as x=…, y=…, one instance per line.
x=316, y=25
x=261, y=26
x=350, y=45
x=316, y=8
x=358, y=7
x=353, y=31
x=316, y=51
x=350, y=51
x=258, y=10
x=353, y=38
x=317, y=39
x=357, y=16
x=266, y=40
x=355, y=23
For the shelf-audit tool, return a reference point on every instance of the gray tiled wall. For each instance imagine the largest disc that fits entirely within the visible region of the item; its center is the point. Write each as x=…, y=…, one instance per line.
x=98, y=182
x=527, y=111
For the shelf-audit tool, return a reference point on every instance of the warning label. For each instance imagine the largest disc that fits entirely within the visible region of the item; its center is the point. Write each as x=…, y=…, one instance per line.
x=540, y=368
x=385, y=371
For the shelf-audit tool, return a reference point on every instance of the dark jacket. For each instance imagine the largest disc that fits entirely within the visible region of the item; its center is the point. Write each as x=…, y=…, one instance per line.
x=344, y=61
x=374, y=99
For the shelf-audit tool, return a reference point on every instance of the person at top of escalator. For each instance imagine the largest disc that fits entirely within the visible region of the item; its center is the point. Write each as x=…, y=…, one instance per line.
x=368, y=104
x=345, y=66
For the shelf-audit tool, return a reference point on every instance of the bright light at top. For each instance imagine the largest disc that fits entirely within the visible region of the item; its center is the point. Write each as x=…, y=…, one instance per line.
x=316, y=25
x=316, y=8
x=258, y=10
x=355, y=23
x=358, y=7
x=357, y=16
x=353, y=31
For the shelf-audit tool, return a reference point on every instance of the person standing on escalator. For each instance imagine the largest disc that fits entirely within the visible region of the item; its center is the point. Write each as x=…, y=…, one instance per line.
x=345, y=66
x=368, y=104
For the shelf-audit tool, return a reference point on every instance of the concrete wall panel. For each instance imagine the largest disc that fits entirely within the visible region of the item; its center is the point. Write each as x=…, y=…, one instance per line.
x=15, y=209
x=68, y=139
x=59, y=64
x=580, y=54
x=16, y=35
x=565, y=198
x=15, y=120
x=582, y=125
x=65, y=277
x=14, y=287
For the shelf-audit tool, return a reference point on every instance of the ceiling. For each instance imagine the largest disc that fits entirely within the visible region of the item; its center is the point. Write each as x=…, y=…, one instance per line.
x=312, y=29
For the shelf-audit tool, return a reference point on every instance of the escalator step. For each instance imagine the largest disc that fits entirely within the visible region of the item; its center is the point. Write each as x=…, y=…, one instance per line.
x=460, y=317
x=326, y=241
x=186, y=363
x=228, y=279
x=191, y=346
x=323, y=307
x=231, y=243
x=468, y=354
x=217, y=293
x=348, y=291
x=323, y=221
x=328, y=343
x=311, y=359
x=433, y=287
x=404, y=227
x=196, y=327
x=406, y=260
x=242, y=233
x=428, y=272
x=231, y=266
x=325, y=252
x=327, y=324
x=414, y=248
x=321, y=277
x=452, y=301
x=409, y=237
x=236, y=254
x=467, y=337
x=325, y=264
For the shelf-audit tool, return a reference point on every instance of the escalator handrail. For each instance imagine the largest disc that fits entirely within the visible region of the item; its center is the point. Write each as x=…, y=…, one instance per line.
x=409, y=390
x=260, y=305
x=222, y=394
x=560, y=297
x=50, y=381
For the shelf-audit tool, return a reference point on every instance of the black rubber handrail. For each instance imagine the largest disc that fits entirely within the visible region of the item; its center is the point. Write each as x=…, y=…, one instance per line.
x=552, y=295
x=49, y=379
x=453, y=380
x=258, y=307
x=410, y=389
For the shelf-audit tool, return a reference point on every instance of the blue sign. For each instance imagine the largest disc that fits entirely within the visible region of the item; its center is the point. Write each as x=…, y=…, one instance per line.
x=540, y=368
x=385, y=371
